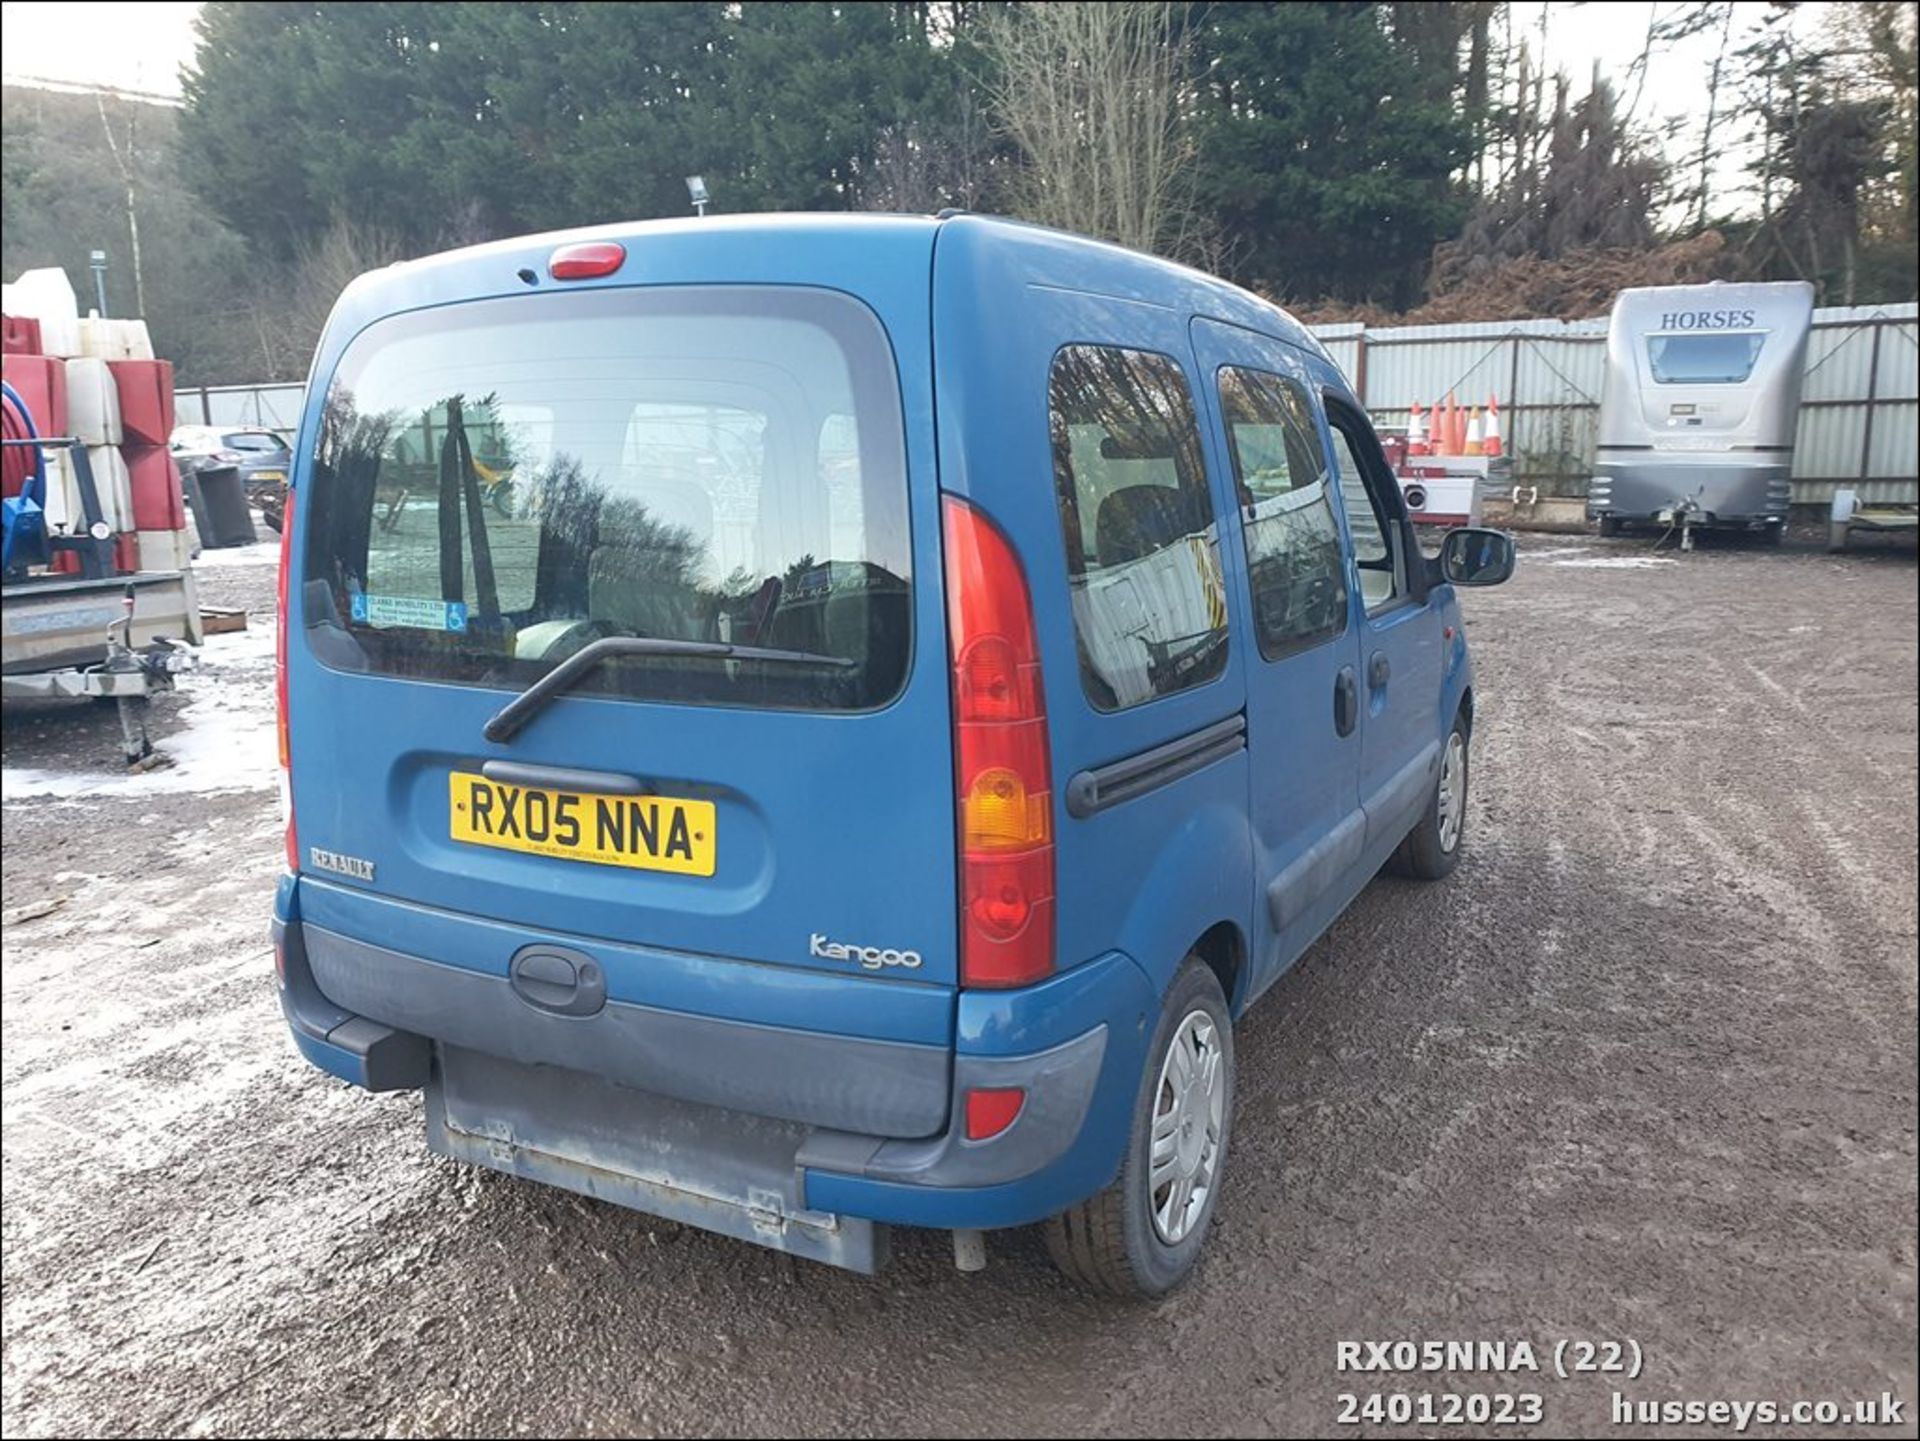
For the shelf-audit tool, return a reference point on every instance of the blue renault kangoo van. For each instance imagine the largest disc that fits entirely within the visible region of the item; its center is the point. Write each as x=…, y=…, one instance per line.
x=805, y=725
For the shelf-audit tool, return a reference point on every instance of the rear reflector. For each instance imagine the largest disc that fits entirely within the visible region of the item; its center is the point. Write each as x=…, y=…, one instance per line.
x=991, y=1112
x=1005, y=799
x=586, y=261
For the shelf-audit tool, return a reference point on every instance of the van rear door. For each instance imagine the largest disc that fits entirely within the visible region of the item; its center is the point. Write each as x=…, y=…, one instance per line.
x=728, y=487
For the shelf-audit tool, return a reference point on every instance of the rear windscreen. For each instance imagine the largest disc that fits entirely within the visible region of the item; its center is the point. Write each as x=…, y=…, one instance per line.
x=1716, y=358
x=500, y=483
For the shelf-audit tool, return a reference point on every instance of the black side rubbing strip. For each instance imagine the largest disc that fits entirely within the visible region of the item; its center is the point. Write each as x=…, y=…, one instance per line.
x=1094, y=790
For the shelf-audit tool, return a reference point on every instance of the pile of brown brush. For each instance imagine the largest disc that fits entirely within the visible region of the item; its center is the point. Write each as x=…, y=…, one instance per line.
x=1573, y=286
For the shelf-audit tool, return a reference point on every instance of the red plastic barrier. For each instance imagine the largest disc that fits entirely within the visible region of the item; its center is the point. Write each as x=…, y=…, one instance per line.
x=21, y=335
x=156, y=486
x=16, y=461
x=126, y=553
x=42, y=383
x=146, y=400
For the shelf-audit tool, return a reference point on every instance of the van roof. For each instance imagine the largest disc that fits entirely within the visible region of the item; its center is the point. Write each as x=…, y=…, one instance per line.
x=1013, y=250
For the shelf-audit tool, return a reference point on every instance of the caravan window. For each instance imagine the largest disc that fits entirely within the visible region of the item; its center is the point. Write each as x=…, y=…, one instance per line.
x=1721, y=357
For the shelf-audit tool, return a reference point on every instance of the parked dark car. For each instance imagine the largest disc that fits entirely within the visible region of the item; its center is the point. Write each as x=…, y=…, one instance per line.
x=261, y=456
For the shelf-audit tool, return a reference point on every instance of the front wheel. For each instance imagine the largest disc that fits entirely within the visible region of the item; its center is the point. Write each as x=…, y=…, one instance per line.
x=1432, y=848
x=1141, y=1236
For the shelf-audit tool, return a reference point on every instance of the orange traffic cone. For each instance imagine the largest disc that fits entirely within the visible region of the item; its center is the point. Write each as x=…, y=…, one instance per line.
x=1476, y=437
x=1492, y=438
x=1446, y=444
x=1417, y=432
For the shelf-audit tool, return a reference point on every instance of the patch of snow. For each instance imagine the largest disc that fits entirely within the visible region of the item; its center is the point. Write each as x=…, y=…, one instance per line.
x=264, y=552
x=1620, y=562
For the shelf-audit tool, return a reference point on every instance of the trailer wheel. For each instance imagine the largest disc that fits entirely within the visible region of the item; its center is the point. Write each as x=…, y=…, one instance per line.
x=1774, y=534
x=1609, y=526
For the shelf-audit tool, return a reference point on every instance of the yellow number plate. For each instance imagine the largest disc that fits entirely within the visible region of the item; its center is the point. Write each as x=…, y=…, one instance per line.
x=649, y=833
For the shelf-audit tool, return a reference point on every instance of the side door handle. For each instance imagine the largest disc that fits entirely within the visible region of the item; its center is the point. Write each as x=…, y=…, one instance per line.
x=1378, y=669
x=1346, y=702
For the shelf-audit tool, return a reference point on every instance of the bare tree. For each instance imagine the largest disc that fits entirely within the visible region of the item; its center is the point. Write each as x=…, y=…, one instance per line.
x=1093, y=95
x=916, y=167
x=128, y=165
x=302, y=298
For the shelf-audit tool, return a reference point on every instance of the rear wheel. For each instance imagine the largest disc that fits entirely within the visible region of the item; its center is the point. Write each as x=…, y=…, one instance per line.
x=1773, y=534
x=1432, y=848
x=1609, y=526
x=1142, y=1235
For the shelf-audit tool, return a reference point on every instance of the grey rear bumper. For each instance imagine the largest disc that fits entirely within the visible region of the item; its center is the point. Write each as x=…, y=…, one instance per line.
x=848, y=1083
x=1737, y=489
x=622, y=1106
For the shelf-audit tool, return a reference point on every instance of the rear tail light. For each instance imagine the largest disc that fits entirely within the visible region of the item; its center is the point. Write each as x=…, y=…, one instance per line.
x=1000, y=757
x=283, y=624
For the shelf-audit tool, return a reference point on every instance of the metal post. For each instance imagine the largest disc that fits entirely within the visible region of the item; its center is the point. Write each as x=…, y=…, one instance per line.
x=1508, y=443
x=1873, y=390
x=97, y=262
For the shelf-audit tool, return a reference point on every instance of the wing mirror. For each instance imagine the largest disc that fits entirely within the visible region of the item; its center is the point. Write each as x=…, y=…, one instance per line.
x=1471, y=556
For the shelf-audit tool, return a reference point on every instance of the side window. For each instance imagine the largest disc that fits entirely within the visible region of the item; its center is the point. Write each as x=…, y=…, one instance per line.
x=1293, y=541
x=1143, y=563
x=1375, y=538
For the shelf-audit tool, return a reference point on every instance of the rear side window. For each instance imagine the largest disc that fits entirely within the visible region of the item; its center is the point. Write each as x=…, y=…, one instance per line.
x=1149, y=607
x=1294, y=565
x=1704, y=358
x=500, y=483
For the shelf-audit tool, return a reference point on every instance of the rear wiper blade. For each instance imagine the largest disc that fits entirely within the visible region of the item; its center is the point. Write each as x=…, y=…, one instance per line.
x=510, y=718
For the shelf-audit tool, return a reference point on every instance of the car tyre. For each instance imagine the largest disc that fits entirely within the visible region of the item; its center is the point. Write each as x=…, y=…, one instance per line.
x=1432, y=848
x=1137, y=1239
x=1609, y=526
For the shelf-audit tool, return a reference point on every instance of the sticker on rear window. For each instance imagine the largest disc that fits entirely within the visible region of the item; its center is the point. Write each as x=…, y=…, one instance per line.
x=409, y=612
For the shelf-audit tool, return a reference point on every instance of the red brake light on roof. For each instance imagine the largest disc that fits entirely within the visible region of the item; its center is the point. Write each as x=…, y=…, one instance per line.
x=1000, y=755
x=587, y=260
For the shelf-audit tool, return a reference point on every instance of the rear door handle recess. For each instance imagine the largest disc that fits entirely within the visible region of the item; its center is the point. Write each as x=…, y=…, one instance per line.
x=1346, y=701
x=1378, y=670
x=558, y=980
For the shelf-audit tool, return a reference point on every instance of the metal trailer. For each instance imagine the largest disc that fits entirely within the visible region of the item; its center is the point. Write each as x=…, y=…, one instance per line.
x=1847, y=514
x=94, y=633
x=1700, y=406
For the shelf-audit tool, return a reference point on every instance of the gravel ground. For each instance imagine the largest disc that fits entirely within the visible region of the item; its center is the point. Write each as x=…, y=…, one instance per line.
x=1644, y=1068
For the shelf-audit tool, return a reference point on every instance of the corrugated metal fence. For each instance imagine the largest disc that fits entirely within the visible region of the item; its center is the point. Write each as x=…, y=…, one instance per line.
x=1859, y=417
x=274, y=407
